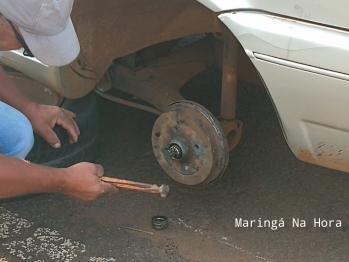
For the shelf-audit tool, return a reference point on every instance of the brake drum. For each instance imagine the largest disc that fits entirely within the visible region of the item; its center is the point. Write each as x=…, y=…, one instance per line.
x=189, y=144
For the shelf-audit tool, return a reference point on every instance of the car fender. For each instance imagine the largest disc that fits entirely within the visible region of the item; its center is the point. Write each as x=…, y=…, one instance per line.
x=305, y=70
x=332, y=13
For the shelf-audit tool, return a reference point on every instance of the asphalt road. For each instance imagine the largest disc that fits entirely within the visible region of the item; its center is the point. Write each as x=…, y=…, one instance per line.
x=264, y=181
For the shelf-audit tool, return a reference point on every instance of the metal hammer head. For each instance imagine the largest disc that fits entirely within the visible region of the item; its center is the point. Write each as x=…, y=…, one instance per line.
x=164, y=190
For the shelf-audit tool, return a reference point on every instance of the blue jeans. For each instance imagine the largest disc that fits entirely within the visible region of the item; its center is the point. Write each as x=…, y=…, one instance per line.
x=16, y=132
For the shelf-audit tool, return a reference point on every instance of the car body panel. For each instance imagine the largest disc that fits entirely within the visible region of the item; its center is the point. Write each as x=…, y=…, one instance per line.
x=47, y=75
x=307, y=77
x=292, y=40
x=332, y=13
x=66, y=81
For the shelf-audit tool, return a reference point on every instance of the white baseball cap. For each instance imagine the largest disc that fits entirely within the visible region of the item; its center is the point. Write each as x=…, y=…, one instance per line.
x=46, y=28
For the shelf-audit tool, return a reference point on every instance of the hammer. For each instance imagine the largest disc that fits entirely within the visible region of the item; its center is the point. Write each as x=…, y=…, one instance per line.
x=163, y=190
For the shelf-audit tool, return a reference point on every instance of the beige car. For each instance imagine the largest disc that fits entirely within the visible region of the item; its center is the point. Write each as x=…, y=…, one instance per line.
x=297, y=51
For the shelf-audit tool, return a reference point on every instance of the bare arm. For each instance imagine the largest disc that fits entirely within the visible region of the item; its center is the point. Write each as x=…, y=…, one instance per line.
x=81, y=181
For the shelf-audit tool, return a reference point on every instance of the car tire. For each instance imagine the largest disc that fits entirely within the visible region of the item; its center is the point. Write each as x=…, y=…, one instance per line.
x=86, y=110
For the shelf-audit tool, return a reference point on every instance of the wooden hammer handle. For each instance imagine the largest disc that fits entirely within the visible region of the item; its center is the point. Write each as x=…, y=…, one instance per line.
x=163, y=190
x=125, y=182
x=136, y=188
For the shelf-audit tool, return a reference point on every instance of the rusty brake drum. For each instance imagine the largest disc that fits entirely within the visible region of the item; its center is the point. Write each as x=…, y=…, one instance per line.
x=189, y=144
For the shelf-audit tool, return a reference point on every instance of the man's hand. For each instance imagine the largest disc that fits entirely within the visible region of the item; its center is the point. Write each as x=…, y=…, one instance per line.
x=82, y=181
x=43, y=118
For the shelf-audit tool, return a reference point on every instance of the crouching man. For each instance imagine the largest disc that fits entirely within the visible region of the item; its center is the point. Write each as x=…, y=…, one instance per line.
x=45, y=31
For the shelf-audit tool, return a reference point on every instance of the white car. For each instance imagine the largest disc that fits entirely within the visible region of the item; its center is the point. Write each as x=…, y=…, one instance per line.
x=297, y=49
